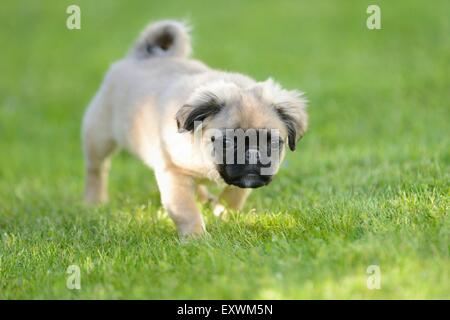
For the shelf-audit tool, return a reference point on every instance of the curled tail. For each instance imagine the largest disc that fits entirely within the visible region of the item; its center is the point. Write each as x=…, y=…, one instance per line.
x=166, y=38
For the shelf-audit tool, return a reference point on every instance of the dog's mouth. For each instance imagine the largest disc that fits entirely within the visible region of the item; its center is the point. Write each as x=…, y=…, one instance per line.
x=250, y=180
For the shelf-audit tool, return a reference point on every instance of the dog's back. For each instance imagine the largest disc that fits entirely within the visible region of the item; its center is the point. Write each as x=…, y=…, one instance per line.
x=135, y=91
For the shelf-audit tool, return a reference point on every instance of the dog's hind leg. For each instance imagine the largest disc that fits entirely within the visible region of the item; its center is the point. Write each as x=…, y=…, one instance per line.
x=204, y=196
x=97, y=168
x=232, y=198
x=98, y=145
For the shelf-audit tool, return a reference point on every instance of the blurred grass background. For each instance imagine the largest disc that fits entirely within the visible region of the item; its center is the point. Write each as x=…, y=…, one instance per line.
x=369, y=183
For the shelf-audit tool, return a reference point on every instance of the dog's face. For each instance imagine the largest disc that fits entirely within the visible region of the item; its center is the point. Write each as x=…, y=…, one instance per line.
x=245, y=131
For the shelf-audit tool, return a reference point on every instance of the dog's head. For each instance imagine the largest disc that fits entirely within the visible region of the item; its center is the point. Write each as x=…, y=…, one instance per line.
x=245, y=131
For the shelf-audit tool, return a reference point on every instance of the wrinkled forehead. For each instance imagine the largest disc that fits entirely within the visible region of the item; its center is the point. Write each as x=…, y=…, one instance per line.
x=250, y=112
x=249, y=135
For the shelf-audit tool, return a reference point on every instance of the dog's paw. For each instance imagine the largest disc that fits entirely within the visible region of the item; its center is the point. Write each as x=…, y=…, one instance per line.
x=191, y=229
x=189, y=238
x=219, y=210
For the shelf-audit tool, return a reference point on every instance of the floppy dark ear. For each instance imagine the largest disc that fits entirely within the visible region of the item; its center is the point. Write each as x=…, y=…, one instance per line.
x=188, y=116
x=291, y=108
x=296, y=126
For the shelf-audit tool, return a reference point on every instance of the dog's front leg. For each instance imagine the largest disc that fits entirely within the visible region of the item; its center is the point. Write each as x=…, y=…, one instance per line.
x=178, y=198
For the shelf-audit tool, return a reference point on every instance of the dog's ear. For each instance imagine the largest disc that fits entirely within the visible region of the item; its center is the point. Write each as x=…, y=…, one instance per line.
x=290, y=106
x=205, y=102
x=295, y=119
x=190, y=115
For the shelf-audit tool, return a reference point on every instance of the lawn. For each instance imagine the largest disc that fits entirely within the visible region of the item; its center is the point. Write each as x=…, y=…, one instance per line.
x=368, y=184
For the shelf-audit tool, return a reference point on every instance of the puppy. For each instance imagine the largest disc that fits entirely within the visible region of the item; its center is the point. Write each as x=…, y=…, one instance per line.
x=190, y=124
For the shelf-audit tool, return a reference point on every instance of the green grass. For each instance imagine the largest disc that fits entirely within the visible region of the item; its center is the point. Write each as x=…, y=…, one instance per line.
x=368, y=185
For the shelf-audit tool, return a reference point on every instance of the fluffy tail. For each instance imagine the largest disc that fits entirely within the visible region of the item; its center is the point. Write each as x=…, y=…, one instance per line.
x=166, y=38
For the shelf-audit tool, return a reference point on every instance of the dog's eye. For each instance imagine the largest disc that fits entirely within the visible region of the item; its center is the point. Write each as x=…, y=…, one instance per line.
x=277, y=144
